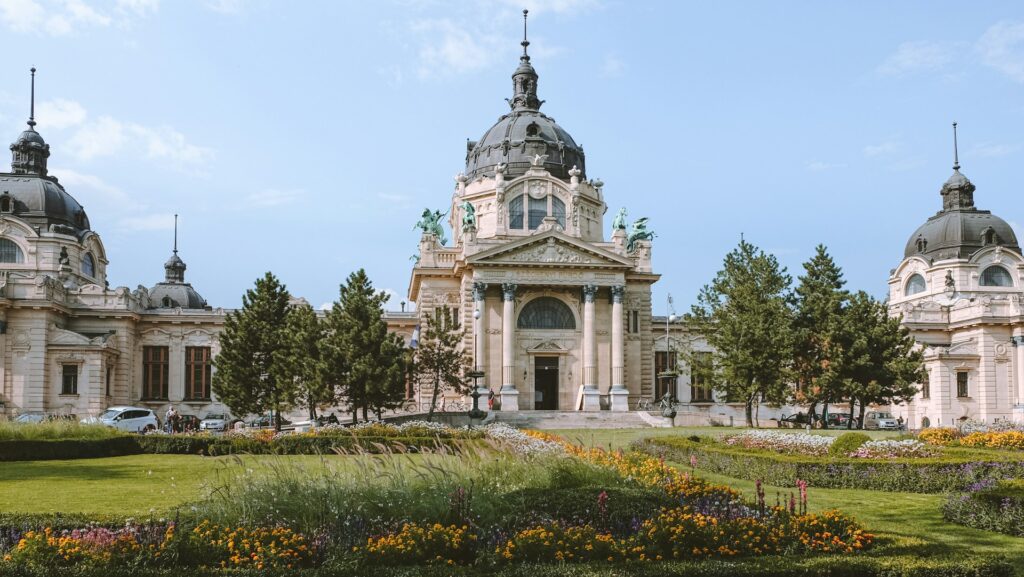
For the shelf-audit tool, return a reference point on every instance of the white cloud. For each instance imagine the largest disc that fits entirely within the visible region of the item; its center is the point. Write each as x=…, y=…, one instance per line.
x=537, y=7
x=62, y=17
x=21, y=15
x=326, y=306
x=449, y=48
x=274, y=197
x=166, y=143
x=107, y=136
x=60, y=114
x=103, y=137
x=885, y=148
x=226, y=6
x=918, y=56
x=819, y=166
x=139, y=7
x=613, y=67
x=1002, y=47
x=991, y=150
x=108, y=194
x=148, y=222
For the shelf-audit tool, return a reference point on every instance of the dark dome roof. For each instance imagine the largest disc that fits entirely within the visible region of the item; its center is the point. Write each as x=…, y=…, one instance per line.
x=42, y=201
x=516, y=139
x=167, y=295
x=959, y=229
x=31, y=137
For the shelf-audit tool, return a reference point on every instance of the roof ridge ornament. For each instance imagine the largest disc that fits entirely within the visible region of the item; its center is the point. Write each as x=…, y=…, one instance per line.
x=32, y=102
x=525, y=42
x=524, y=79
x=956, y=153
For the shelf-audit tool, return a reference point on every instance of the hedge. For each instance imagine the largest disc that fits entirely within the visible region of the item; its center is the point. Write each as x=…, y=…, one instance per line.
x=846, y=566
x=211, y=445
x=991, y=507
x=953, y=471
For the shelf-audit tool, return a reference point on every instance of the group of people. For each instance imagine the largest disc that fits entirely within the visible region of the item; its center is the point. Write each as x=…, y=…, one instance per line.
x=175, y=422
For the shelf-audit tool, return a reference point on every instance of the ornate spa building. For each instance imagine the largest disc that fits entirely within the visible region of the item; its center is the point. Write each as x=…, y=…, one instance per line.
x=959, y=291
x=559, y=316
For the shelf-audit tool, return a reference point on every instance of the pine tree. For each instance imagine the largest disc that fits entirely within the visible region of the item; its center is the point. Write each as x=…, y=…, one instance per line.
x=389, y=391
x=746, y=316
x=881, y=362
x=300, y=360
x=245, y=378
x=440, y=360
x=817, y=327
x=361, y=356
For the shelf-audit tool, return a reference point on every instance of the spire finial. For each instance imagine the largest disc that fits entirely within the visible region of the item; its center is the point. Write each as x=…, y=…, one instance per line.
x=175, y=234
x=956, y=153
x=32, y=104
x=525, y=42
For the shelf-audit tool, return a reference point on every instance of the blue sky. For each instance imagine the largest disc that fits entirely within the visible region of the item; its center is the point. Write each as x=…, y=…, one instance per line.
x=306, y=137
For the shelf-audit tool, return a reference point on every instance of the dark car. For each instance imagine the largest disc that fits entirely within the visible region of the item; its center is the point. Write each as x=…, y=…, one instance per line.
x=796, y=420
x=840, y=421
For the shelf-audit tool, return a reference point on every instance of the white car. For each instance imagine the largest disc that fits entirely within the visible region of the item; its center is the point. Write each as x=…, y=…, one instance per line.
x=880, y=420
x=216, y=422
x=132, y=419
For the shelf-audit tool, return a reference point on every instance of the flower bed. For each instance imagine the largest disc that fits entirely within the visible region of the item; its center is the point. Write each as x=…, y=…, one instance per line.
x=989, y=505
x=888, y=449
x=788, y=443
x=1000, y=436
x=953, y=469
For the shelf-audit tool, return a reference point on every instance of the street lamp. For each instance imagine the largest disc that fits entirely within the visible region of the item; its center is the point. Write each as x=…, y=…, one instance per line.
x=475, y=412
x=669, y=374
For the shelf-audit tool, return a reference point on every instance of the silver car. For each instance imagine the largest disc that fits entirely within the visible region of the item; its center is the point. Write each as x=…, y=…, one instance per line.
x=216, y=422
x=132, y=419
x=881, y=420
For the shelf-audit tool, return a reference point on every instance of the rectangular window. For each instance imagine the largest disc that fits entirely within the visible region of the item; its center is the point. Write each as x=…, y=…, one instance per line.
x=926, y=387
x=155, y=371
x=700, y=391
x=110, y=375
x=664, y=361
x=515, y=213
x=634, y=321
x=69, y=380
x=198, y=369
x=961, y=384
x=538, y=210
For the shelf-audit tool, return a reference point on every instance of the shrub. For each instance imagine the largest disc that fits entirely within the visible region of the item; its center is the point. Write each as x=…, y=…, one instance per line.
x=55, y=430
x=955, y=469
x=847, y=443
x=995, y=440
x=990, y=506
x=554, y=543
x=614, y=509
x=40, y=450
x=417, y=544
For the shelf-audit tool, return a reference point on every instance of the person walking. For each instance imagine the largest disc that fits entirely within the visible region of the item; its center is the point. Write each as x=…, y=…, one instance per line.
x=169, y=419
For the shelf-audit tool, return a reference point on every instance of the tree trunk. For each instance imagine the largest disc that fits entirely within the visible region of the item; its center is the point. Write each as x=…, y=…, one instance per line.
x=749, y=409
x=849, y=424
x=277, y=411
x=863, y=405
x=433, y=397
x=824, y=415
x=365, y=417
x=810, y=412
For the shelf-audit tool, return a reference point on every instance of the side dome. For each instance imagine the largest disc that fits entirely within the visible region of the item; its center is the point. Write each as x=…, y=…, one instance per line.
x=518, y=138
x=174, y=292
x=959, y=229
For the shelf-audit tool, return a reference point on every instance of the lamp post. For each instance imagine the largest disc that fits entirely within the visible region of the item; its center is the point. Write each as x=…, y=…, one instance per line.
x=475, y=412
x=668, y=399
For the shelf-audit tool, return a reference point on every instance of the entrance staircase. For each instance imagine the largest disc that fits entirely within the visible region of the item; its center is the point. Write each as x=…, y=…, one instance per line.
x=580, y=419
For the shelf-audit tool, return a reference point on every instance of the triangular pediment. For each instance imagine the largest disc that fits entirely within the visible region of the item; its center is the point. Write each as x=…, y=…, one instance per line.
x=548, y=348
x=550, y=248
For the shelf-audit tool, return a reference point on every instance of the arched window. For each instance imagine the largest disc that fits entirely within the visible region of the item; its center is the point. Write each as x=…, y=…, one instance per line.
x=996, y=276
x=89, y=265
x=538, y=210
x=546, y=313
x=558, y=211
x=915, y=285
x=515, y=213
x=10, y=252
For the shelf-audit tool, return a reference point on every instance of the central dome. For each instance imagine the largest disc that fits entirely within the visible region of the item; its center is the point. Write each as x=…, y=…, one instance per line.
x=519, y=137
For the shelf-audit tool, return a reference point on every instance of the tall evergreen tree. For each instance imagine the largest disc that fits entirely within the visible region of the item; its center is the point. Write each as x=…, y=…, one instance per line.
x=246, y=379
x=746, y=316
x=882, y=363
x=360, y=354
x=300, y=360
x=440, y=360
x=817, y=327
x=388, y=392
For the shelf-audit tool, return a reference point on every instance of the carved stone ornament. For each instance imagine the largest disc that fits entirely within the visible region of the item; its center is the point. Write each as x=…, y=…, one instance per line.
x=551, y=252
x=538, y=189
x=589, y=292
x=508, y=291
x=618, y=292
x=479, y=291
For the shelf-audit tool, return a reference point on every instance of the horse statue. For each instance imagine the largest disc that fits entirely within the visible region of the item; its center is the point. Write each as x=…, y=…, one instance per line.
x=430, y=223
x=468, y=216
x=638, y=232
x=619, y=222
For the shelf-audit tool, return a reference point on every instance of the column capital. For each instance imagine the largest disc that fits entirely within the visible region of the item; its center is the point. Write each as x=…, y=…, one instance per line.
x=618, y=292
x=589, y=292
x=1017, y=341
x=508, y=291
x=479, y=291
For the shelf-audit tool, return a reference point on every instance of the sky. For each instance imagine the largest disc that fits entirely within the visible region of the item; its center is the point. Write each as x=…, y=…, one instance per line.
x=305, y=137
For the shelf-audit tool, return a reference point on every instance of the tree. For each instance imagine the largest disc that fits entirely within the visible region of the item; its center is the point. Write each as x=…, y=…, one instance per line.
x=882, y=363
x=362, y=357
x=440, y=359
x=389, y=391
x=246, y=379
x=746, y=316
x=817, y=332
x=300, y=360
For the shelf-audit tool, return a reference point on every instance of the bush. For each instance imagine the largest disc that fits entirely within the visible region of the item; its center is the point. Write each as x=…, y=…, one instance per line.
x=942, y=436
x=617, y=511
x=41, y=450
x=55, y=430
x=990, y=506
x=995, y=440
x=847, y=443
x=954, y=470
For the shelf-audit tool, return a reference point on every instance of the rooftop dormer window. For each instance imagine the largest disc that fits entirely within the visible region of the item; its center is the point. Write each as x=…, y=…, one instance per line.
x=10, y=252
x=89, y=265
x=535, y=211
x=996, y=276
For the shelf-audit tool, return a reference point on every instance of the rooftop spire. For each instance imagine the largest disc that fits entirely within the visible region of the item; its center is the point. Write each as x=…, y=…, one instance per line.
x=32, y=102
x=525, y=42
x=956, y=153
x=175, y=267
x=175, y=234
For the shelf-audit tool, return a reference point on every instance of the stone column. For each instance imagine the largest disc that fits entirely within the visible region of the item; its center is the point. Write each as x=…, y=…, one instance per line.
x=480, y=334
x=591, y=395
x=509, y=394
x=619, y=393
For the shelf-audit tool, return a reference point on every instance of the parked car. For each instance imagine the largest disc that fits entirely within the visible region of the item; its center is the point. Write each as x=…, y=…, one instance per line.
x=881, y=420
x=42, y=417
x=796, y=420
x=217, y=422
x=264, y=421
x=841, y=421
x=133, y=419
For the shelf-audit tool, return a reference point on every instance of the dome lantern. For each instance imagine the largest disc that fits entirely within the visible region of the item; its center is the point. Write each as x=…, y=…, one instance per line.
x=29, y=152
